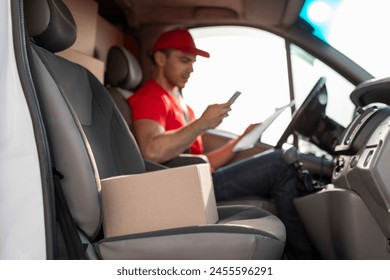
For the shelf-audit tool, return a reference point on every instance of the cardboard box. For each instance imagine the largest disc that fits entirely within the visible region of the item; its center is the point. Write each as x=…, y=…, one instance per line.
x=85, y=14
x=94, y=65
x=169, y=198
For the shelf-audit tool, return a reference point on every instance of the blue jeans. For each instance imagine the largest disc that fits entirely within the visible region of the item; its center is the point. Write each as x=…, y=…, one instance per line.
x=267, y=175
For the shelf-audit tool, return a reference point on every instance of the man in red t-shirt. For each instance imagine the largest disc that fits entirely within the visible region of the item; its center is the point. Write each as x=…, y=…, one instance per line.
x=164, y=126
x=154, y=103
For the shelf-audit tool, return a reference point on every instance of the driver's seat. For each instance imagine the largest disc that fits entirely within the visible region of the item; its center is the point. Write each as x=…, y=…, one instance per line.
x=123, y=75
x=90, y=141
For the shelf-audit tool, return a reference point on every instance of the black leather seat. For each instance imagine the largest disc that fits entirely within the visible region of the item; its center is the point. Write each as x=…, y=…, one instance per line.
x=91, y=141
x=123, y=75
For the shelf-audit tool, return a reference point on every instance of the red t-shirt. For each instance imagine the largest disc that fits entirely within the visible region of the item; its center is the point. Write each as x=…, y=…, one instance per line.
x=152, y=102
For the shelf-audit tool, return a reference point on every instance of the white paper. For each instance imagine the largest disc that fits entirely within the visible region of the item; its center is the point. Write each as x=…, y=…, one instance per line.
x=250, y=139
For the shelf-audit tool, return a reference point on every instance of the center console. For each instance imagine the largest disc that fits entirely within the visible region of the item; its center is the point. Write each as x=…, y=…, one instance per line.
x=350, y=219
x=364, y=160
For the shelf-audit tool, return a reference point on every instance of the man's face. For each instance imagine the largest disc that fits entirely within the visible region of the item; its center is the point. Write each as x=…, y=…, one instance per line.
x=178, y=67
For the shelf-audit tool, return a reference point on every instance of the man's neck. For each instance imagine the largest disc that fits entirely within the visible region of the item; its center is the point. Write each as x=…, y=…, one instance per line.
x=166, y=86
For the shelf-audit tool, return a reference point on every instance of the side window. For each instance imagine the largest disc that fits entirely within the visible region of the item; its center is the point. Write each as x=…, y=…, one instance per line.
x=246, y=59
x=306, y=70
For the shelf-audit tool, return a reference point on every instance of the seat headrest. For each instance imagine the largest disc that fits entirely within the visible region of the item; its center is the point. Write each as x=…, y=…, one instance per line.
x=50, y=24
x=122, y=69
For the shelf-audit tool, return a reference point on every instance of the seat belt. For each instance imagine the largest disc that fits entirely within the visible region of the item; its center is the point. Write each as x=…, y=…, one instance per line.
x=74, y=246
x=183, y=105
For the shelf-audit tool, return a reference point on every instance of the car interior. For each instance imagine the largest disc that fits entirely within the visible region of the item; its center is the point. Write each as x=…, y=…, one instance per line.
x=79, y=82
x=85, y=126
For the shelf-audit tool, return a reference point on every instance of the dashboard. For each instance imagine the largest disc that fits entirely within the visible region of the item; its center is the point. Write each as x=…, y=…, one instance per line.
x=363, y=155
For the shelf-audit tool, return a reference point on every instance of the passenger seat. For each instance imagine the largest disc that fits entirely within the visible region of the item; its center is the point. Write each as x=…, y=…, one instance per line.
x=90, y=141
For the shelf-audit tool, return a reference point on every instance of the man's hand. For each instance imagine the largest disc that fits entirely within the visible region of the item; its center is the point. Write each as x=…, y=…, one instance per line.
x=214, y=115
x=249, y=128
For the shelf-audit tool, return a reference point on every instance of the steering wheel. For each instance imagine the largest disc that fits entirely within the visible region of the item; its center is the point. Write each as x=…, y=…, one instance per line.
x=306, y=119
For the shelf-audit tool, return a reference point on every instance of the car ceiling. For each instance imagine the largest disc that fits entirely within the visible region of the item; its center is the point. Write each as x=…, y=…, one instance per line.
x=275, y=15
x=147, y=18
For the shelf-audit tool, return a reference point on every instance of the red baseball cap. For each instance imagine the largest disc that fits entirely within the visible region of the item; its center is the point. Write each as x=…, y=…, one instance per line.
x=179, y=39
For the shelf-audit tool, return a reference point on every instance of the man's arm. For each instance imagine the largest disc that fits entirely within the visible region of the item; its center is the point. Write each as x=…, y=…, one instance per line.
x=220, y=156
x=159, y=145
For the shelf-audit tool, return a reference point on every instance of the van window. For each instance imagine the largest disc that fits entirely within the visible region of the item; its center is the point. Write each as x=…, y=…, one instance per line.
x=306, y=70
x=246, y=59
x=254, y=62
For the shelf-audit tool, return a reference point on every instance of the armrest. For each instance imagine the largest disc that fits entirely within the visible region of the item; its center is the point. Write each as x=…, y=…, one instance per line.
x=186, y=159
x=153, y=166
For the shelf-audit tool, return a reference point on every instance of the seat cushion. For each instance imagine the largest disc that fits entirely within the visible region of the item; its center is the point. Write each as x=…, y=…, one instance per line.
x=263, y=203
x=252, y=233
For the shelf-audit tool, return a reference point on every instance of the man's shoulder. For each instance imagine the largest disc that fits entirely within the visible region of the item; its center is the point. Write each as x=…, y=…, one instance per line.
x=149, y=93
x=150, y=88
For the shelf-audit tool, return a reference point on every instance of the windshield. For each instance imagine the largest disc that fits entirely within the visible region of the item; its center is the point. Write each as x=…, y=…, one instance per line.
x=357, y=28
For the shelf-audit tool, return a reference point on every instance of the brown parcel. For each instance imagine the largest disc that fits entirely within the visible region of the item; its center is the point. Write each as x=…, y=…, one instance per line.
x=169, y=198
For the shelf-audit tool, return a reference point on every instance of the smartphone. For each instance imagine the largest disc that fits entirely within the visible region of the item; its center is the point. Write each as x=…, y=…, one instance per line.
x=234, y=97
